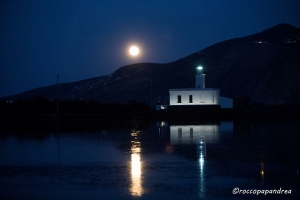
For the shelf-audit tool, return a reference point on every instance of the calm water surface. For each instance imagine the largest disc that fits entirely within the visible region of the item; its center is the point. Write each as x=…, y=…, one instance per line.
x=165, y=160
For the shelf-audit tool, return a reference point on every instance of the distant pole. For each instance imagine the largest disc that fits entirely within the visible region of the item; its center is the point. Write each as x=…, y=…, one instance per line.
x=151, y=91
x=58, y=149
x=57, y=93
x=151, y=87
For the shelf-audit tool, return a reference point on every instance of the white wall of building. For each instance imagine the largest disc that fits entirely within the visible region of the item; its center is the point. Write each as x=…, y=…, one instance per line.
x=199, y=96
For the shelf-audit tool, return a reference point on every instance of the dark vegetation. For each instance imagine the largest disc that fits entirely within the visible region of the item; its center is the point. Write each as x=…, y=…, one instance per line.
x=41, y=105
x=33, y=116
x=75, y=114
x=41, y=108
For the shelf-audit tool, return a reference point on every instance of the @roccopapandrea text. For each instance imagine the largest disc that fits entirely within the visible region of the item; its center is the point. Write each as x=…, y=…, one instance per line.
x=260, y=192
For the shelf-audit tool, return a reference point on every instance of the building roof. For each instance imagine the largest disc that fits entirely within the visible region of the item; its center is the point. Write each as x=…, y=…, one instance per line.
x=193, y=89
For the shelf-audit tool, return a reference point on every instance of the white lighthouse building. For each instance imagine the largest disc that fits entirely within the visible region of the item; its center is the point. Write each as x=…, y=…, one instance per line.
x=195, y=96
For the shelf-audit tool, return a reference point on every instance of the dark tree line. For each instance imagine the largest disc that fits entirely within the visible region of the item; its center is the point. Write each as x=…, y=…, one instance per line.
x=41, y=105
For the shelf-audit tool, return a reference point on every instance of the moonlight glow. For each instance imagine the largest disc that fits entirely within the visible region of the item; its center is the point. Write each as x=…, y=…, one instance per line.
x=134, y=51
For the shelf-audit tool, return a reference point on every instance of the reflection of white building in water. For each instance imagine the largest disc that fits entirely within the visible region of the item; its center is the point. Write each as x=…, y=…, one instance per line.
x=199, y=135
x=191, y=134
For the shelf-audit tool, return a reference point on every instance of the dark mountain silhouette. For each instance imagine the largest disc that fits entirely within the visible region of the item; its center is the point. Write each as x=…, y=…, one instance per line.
x=264, y=66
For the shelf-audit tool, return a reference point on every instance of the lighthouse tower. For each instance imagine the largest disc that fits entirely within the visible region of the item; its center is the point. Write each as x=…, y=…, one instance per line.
x=200, y=78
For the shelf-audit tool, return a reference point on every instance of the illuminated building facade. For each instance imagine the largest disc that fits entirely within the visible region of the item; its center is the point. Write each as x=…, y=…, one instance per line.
x=195, y=96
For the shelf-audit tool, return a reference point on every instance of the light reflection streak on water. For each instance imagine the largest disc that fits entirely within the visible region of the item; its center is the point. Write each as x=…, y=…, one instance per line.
x=136, y=167
x=262, y=172
x=202, y=154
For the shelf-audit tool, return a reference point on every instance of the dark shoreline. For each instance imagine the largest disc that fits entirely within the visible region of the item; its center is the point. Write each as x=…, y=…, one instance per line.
x=219, y=113
x=114, y=118
x=40, y=126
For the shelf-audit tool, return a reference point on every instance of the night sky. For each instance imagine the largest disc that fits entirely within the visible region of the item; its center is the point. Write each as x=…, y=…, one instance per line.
x=80, y=39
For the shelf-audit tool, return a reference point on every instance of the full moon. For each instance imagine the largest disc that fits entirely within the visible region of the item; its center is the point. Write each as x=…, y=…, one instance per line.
x=134, y=50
